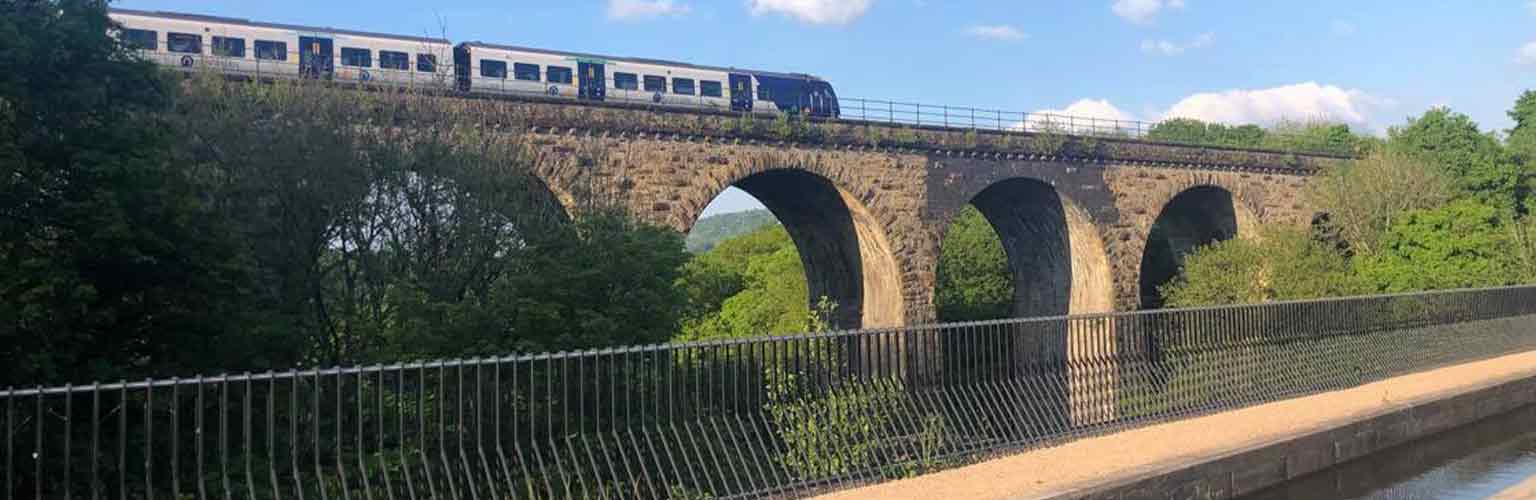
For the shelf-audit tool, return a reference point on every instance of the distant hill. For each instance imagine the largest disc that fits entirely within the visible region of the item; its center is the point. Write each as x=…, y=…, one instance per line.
x=710, y=231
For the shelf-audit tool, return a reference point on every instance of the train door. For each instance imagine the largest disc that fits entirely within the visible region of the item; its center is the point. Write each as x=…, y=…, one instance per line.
x=741, y=92
x=315, y=57
x=592, y=81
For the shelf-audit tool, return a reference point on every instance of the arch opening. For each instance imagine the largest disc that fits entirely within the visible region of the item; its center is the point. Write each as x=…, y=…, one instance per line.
x=1056, y=265
x=839, y=248
x=1055, y=261
x=1196, y=217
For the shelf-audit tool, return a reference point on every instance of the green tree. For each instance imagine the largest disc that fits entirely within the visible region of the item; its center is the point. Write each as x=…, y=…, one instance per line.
x=602, y=281
x=1523, y=236
x=974, y=280
x=115, y=264
x=751, y=285
x=1476, y=162
x=427, y=238
x=1319, y=137
x=1362, y=198
x=1522, y=138
x=709, y=231
x=1282, y=263
x=1459, y=245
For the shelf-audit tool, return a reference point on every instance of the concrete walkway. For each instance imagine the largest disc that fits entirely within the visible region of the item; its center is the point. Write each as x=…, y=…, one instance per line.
x=1148, y=451
x=1525, y=490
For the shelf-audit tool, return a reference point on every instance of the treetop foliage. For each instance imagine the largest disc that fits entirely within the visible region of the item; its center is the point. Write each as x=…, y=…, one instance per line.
x=1319, y=137
x=710, y=231
x=1463, y=244
x=1363, y=198
x=1477, y=163
x=748, y=286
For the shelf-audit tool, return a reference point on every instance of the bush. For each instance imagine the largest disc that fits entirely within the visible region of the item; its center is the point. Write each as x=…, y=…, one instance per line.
x=1281, y=263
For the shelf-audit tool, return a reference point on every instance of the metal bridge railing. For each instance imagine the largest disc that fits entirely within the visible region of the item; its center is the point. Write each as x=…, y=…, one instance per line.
x=852, y=109
x=785, y=416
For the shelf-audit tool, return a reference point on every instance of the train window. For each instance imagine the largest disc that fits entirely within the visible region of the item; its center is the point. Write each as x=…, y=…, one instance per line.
x=394, y=60
x=362, y=58
x=682, y=86
x=655, y=83
x=184, y=43
x=558, y=74
x=228, y=47
x=426, y=63
x=493, y=69
x=141, y=39
x=529, y=72
x=763, y=94
x=626, y=81
x=271, y=51
x=709, y=89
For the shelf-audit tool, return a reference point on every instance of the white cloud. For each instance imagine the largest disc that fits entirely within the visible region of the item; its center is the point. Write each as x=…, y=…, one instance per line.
x=1527, y=55
x=1000, y=32
x=813, y=11
x=1264, y=107
x=644, y=9
x=1531, y=6
x=1142, y=11
x=1085, y=115
x=1169, y=48
x=1343, y=28
x=1302, y=101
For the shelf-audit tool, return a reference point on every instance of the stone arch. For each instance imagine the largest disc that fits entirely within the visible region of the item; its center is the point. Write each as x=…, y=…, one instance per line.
x=1055, y=253
x=1198, y=215
x=843, y=246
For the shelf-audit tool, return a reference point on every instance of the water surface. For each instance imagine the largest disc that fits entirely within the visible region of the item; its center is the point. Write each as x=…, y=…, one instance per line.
x=1474, y=461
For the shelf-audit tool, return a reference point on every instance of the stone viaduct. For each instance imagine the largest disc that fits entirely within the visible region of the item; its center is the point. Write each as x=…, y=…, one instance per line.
x=1089, y=224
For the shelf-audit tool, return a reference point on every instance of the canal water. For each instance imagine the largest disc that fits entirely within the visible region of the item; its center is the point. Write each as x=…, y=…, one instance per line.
x=1474, y=461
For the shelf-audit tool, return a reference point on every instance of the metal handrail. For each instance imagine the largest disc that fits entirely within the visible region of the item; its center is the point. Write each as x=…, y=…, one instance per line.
x=851, y=109
x=769, y=417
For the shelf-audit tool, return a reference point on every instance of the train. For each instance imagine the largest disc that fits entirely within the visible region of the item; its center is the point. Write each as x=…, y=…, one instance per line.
x=245, y=48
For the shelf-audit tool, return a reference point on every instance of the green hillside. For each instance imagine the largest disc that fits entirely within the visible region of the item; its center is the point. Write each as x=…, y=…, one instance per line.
x=711, y=230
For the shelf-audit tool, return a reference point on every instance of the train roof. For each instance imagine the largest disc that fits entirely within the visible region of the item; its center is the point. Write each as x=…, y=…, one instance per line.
x=641, y=60
x=257, y=24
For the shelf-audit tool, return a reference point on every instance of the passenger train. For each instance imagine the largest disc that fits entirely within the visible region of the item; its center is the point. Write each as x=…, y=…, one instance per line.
x=241, y=47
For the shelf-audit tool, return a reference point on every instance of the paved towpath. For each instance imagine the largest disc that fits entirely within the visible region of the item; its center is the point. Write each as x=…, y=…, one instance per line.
x=1166, y=447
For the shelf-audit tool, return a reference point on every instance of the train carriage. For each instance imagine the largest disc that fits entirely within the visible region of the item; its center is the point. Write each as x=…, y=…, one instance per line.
x=242, y=47
x=509, y=70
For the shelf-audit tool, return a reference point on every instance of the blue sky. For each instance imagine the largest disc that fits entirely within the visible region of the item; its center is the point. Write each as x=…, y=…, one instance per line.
x=1371, y=63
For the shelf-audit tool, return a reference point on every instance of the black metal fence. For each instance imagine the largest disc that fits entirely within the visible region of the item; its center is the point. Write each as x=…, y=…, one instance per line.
x=787, y=416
